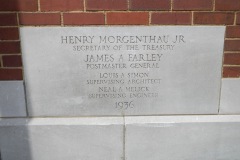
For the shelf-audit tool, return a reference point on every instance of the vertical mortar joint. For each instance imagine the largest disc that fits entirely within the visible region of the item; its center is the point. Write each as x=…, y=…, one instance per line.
x=214, y=2
x=39, y=8
x=84, y=6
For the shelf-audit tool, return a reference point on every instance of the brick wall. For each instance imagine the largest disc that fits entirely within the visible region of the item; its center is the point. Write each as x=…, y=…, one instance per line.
x=15, y=13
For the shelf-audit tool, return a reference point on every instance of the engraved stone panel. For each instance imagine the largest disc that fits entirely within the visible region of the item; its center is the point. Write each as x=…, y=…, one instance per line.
x=81, y=71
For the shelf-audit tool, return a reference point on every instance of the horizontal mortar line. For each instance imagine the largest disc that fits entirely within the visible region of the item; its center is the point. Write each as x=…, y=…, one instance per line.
x=15, y=117
x=40, y=12
x=193, y=24
x=232, y=25
x=4, y=12
x=196, y=24
x=165, y=25
x=59, y=25
x=82, y=12
x=192, y=11
x=231, y=65
x=230, y=78
x=170, y=12
x=111, y=25
x=18, y=40
x=12, y=67
x=232, y=38
x=235, y=52
x=214, y=11
x=10, y=54
x=13, y=26
x=123, y=11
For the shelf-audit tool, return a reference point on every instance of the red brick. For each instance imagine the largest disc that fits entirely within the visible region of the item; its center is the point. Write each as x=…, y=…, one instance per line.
x=8, y=19
x=61, y=5
x=218, y=18
x=227, y=5
x=233, y=32
x=11, y=74
x=238, y=18
x=150, y=4
x=40, y=19
x=127, y=18
x=171, y=18
x=18, y=5
x=106, y=5
x=83, y=18
x=232, y=45
x=232, y=58
x=9, y=34
x=9, y=47
x=231, y=72
x=188, y=5
x=12, y=61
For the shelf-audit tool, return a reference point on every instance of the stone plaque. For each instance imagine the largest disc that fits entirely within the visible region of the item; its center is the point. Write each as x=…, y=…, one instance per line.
x=137, y=70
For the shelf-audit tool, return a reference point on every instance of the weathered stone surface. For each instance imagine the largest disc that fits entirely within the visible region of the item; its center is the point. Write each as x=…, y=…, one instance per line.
x=12, y=99
x=61, y=139
x=230, y=96
x=183, y=138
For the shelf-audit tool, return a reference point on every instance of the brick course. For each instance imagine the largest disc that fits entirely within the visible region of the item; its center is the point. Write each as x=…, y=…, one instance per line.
x=232, y=45
x=238, y=18
x=106, y=5
x=227, y=5
x=216, y=18
x=9, y=33
x=18, y=5
x=188, y=5
x=172, y=18
x=231, y=72
x=129, y=18
x=9, y=47
x=232, y=59
x=12, y=61
x=233, y=32
x=11, y=74
x=61, y=5
x=149, y=5
x=39, y=19
x=8, y=19
x=83, y=18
